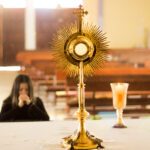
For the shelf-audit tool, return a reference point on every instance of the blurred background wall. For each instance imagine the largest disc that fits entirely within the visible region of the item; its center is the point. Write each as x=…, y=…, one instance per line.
x=126, y=24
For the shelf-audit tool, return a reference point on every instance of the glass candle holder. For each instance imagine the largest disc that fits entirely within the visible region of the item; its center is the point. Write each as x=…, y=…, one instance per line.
x=119, y=96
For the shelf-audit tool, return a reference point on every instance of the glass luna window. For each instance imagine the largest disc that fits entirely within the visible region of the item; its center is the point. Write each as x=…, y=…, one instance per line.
x=41, y=3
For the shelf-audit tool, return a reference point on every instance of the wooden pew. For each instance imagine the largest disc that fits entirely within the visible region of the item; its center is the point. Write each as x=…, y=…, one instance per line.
x=100, y=98
x=126, y=65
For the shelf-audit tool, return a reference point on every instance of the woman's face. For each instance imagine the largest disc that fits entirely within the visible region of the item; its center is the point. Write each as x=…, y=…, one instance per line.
x=23, y=89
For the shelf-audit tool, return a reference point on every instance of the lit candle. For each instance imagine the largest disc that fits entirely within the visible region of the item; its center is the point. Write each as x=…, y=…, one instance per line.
x=119, y=91
x=120, y=95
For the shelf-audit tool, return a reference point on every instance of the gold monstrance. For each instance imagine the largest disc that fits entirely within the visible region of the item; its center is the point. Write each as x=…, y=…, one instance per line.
x=79, y=49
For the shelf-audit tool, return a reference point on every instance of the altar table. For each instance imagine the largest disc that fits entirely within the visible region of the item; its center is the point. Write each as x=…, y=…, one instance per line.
x=48, y=135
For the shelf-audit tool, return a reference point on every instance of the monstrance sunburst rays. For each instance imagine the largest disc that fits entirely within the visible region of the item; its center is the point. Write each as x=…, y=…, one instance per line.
x=79, y=49
x=89, y=31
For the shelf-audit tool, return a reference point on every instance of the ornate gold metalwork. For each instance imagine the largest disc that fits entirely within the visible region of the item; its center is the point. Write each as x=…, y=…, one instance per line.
x=69, y=36
x=80, y=49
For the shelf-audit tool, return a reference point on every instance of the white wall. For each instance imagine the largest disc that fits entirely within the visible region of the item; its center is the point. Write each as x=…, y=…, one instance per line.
x=127, y=23
x=6, y=81
x=92, y=6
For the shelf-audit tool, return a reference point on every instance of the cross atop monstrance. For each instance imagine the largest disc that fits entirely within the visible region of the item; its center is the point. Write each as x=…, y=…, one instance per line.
x=80, y=13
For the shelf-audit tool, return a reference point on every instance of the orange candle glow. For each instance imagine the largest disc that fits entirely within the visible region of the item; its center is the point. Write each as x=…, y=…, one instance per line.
x=120, y=96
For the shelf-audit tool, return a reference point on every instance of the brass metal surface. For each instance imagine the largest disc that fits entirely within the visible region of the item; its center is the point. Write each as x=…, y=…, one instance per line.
x=77, y=63
x=81, y=139
x=69, y=36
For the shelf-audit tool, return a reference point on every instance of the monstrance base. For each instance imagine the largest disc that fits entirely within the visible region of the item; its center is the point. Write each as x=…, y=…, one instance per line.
x=80, y=141
x=119, y=126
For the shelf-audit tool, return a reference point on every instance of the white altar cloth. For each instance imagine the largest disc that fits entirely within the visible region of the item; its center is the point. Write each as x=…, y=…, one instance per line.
x=48, y=135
